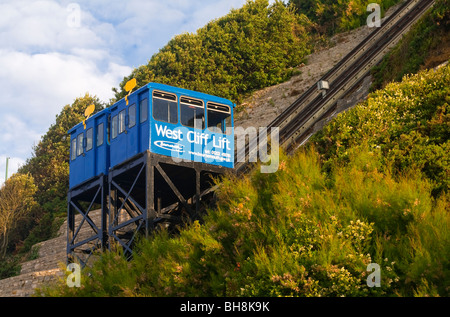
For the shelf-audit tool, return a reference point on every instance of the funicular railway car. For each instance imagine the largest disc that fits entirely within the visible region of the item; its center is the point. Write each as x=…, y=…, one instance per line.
x=174, y=122
x=89, y=149
x=149, y=156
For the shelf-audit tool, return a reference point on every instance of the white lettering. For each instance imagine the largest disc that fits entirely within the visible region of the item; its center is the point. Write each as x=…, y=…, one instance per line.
x=74, y=17
x=374, y=279
x=192, y=307
x=374, y=19
x=74, y=278
x=197, y=138
x=168, y=133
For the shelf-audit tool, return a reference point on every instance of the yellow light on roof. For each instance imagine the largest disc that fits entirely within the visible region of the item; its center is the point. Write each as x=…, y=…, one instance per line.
x=129, y=87
x=87, y=113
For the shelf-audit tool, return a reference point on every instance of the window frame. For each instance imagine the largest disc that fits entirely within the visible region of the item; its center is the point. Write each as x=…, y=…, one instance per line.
x=131, y=119
x=122, y=124
x=190, y=104
x=166, y=99
x=215, y=104
x=89, y=136
x=100, y=134
x=80, y=141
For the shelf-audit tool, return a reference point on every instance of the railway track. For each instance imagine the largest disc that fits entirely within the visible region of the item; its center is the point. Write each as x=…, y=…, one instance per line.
x=296, y=122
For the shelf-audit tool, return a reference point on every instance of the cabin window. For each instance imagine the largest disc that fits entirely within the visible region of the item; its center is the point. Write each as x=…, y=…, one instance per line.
x=143, y=110
x=192, y=113
x=165, y=107
x=89, y=136
x=121, y=121
x=100, y=134
x=74, y=149
x=80, y=144
x=114, y=126
x=132, y=116
x=219, y=118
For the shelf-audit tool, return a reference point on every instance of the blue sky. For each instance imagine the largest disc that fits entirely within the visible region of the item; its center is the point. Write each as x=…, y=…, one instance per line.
x=52, y=52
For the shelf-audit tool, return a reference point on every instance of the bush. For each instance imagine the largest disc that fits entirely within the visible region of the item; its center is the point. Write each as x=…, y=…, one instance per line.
x=406, y=124
x=262, y=242
x=332, y=16
x=428, y=37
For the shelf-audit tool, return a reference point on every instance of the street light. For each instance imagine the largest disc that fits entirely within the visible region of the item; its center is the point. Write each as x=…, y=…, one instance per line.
x=6, y=174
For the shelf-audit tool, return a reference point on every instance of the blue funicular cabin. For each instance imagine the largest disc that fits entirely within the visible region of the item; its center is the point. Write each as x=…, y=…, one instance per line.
x=179, y=128
x=89, y=150
x=174, y=122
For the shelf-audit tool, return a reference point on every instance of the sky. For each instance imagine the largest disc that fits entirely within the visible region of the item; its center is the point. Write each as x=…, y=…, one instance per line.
x=52, y=52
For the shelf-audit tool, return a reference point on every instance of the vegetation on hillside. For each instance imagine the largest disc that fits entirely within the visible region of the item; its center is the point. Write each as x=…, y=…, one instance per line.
x=331, y=16
x=372, y=187
x=426, y=45
x=16, y=203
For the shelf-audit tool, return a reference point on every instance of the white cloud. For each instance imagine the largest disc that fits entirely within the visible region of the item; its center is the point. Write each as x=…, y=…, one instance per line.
x=45, y=64
x=143, y=27
x=17, y=136
x=41, y=26
x=39, y=85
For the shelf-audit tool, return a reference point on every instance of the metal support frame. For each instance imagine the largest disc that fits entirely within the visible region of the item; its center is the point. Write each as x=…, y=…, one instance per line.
x=151, y=189
x=82, y=242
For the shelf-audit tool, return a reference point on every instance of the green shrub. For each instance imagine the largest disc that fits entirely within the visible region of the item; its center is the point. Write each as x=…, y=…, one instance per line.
x=331, y=16
x=427, y=37
x=406, y=124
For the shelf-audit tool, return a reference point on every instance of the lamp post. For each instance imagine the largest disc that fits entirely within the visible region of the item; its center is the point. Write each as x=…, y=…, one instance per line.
x=6, y=174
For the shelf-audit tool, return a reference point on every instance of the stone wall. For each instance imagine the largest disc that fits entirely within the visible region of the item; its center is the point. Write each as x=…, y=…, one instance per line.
x=51, y=258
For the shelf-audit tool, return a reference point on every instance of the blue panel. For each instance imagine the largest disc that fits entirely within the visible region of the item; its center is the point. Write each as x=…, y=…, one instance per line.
x=170, y=139
x=129, y=133
x=92, y=158
x=182, y=142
